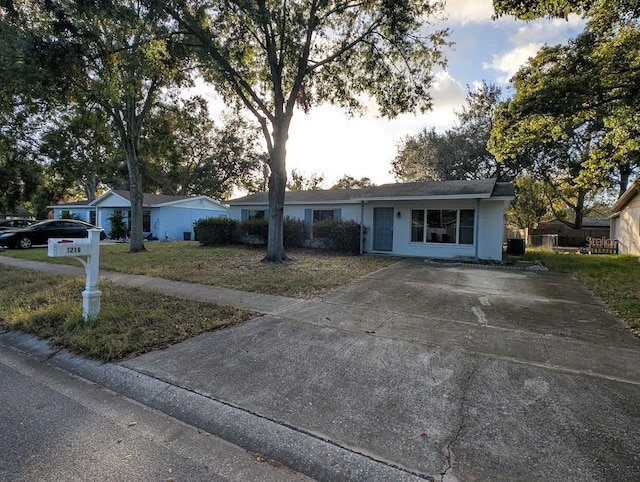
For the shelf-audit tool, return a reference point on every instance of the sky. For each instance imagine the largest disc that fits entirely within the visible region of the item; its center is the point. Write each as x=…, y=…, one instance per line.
x=327, y=142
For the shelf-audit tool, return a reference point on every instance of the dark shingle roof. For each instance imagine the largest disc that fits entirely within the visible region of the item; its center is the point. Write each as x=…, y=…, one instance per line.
x=481, y=188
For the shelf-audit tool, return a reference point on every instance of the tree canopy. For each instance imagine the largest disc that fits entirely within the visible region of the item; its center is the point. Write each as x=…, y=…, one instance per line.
x=573, y=118
x=350, y=182
x=458, y=153
x=190, y=153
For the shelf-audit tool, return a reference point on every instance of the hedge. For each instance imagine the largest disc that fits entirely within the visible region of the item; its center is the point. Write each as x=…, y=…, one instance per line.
x=215, y=231
x=339, y=235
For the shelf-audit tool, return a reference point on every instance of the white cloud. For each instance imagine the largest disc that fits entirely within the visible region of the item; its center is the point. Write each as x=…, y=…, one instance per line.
x=447, y=92
x=508, y=63
x=550, y=32
x=468, y=11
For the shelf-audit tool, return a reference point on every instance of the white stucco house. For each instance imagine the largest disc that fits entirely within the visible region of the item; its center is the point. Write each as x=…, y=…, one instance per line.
x=164, y=217
x=625, y=221
x=444, y=219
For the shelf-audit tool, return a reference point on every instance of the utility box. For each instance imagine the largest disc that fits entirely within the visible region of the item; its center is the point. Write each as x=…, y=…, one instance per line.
x=60, y=247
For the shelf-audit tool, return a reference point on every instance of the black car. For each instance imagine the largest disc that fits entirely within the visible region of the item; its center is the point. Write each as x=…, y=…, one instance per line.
x=40, y=233
x=11, y=224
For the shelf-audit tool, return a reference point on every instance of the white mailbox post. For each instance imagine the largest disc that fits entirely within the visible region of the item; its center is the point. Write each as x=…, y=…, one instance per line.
x=64, y=247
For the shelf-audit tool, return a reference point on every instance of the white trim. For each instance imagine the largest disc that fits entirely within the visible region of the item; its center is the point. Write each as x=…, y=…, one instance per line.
x=190, y=199
x=110, y=192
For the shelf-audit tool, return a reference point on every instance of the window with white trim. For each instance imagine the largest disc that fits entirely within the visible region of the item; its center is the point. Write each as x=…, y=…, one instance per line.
x=448, y=226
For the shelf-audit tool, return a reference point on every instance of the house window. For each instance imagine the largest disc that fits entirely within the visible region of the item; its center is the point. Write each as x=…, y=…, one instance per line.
x=255, y=214
x=322, y=215
x=247, y=214
x=449, y=226
x=146, y=221
x=312, y=216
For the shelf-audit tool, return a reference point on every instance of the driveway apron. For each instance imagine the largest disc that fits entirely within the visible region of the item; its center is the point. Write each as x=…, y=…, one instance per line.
x=453, y=372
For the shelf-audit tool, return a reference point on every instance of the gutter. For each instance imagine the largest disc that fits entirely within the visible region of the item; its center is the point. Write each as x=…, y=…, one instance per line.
x=361, y=228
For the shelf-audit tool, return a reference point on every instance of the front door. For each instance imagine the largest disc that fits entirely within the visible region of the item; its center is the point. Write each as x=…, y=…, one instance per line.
x=382, y=229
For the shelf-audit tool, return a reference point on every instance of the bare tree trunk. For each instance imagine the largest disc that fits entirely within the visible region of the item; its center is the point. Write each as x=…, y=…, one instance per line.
x=579, y=209
x=623, y=183
x=132, y=134
x=136, y=241
x=277, y=185
x=90, y=186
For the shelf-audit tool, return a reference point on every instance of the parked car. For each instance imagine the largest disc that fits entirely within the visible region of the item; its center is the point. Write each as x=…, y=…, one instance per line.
x=40, y=233
x=6, y=224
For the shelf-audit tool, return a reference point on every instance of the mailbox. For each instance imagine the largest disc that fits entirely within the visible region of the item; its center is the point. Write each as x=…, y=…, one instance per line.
x=76, y=248
x=59, y=247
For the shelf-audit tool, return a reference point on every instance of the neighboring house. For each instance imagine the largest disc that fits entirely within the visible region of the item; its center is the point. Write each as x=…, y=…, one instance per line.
x=625, y=221
x=164, y=217
x=433, y=219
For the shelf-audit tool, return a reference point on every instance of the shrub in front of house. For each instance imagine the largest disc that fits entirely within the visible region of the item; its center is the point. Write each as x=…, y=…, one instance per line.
x=255, y=228
x=118, y=228
x=215, y=231
x=341, y=236
x=293, y=233
x=256, y=231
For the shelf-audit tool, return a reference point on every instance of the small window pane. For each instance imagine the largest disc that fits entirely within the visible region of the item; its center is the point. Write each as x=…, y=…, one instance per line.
x=442, y=225
x=417, y=226
x=467, y=219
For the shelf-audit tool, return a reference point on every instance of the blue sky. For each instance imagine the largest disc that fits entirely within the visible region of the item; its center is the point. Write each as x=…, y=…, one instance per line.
x=326, y=142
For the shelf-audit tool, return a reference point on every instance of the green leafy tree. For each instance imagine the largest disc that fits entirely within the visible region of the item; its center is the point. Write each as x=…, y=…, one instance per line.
x=592, y=79
x=20, y=177
x=270, y=57
x=531, y=9
x=117, y=54
x=530, y=205
x=349, y=182
x=299, y=182
x=81, y=149
x=460, y=152
x=189, y=153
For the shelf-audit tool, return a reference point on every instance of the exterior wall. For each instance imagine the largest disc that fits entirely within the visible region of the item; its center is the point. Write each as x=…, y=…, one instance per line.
x=402, y=244
x=170, y=223
x=81, y=213
x=348, y=211
x=488, y=231
x=626, y=228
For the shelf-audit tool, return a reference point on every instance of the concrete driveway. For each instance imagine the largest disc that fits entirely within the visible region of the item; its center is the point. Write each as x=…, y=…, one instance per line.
x=449, y=372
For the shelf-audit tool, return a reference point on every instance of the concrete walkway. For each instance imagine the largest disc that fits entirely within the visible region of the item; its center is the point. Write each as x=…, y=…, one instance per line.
x=440, y=372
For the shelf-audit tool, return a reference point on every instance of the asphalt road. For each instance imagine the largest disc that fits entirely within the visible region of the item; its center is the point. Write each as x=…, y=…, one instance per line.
x=56, y=426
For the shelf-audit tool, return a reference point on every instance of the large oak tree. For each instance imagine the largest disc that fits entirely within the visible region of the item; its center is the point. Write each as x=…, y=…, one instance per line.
x=116, y=54
x=271, y=56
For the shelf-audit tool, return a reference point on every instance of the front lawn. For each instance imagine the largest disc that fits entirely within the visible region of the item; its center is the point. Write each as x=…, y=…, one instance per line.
x=615, y=278
x=131, y=321
x=307, y=274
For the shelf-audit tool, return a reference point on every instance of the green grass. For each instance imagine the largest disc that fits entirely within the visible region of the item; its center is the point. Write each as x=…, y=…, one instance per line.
x=614, y=278
x=308, y=273
x=131, y=321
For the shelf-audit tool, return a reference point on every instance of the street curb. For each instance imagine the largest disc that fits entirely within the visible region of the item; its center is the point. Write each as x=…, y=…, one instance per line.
x=303, y=452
